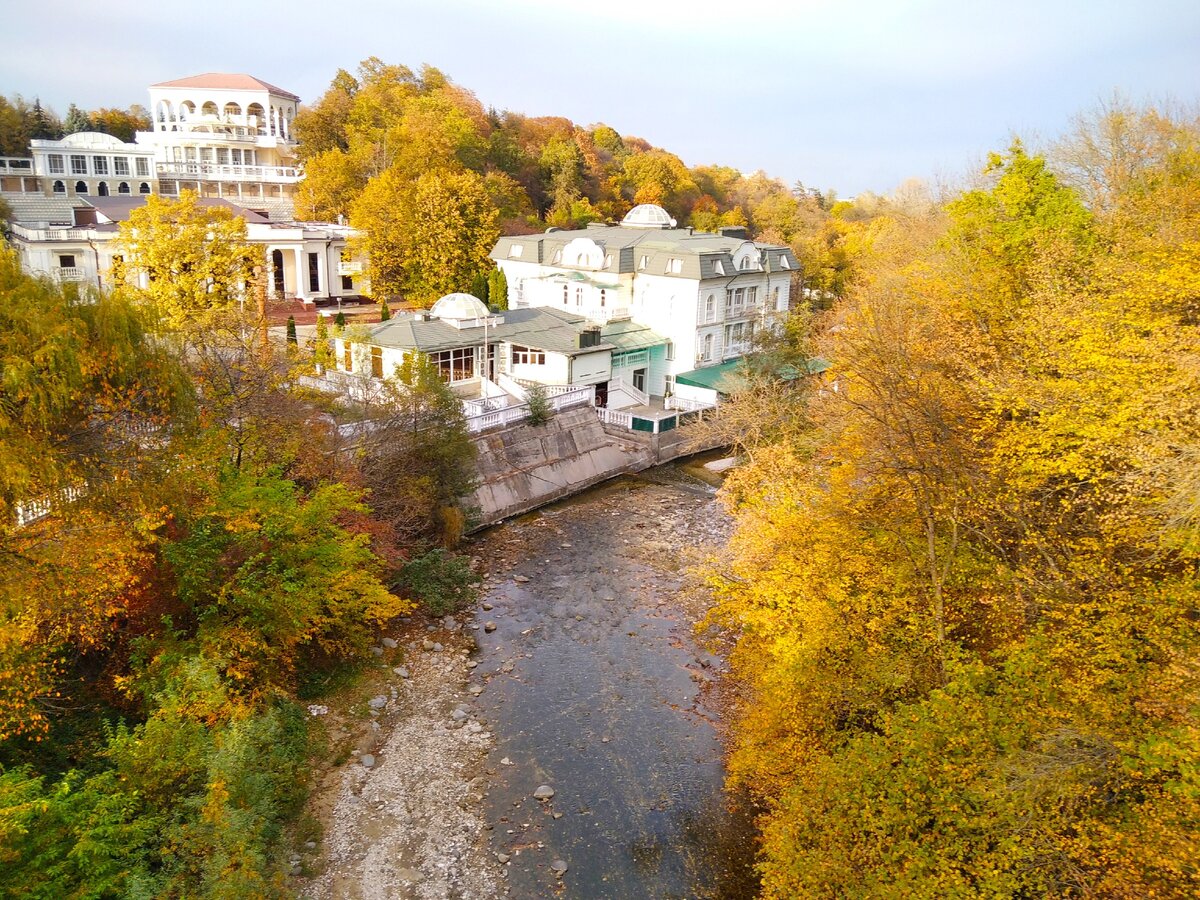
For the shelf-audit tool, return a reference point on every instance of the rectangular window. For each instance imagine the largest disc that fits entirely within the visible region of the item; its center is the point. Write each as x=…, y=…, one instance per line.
x=515, y=251
x=66, y=260
x=120, y=165
x=236, y=156
x=55, y=162
x=603, y=294
x=206, y=154
x=710, y=309
x=527, y=356
x=751, y=296
x=78, y=164
x=100, y=165
x=222, y=156
x=455, y=365
x=566, y=294
x=347, y=282
x=189, y=154
x=347, y=357
x=706, y=348
x=674, y=266
x=314, y=272
x=579, y=296
x=670, y=351
x=377, y=362
x=143, y=166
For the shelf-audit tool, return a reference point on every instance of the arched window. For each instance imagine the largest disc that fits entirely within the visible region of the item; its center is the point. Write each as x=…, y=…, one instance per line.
x=256, y=110
x=187, y=109
x=102, y=189
x=81, y=187
x=603, y=294
x=232, y=109
x=566, y=291
x=144, y=188
x=123, y=187
x=209, y=108
x=59, y=187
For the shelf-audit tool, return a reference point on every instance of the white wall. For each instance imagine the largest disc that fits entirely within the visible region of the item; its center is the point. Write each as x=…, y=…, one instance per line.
x=591, y=368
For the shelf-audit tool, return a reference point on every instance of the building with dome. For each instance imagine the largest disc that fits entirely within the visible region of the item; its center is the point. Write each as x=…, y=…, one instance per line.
x=706, y=294
x=486, y=354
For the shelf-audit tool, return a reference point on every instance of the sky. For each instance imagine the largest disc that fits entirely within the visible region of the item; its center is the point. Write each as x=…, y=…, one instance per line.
x=852, y=96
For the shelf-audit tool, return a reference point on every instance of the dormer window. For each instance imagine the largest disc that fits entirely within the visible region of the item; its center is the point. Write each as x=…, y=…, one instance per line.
x=557, y=256
x=515, y=251
x=718, y=267
x=643, y=262
x=674, y=266
x=783, y=262
x=607, y=260
x=744, y=265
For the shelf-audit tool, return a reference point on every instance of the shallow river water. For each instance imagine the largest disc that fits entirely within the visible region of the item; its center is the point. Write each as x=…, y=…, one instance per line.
x=597, y=686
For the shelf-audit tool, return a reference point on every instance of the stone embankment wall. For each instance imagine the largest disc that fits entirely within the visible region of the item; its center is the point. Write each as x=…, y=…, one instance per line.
x=523, y=467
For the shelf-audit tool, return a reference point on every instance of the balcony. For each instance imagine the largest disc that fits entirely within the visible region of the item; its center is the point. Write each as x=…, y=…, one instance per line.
x=196, y=171
x=605, y=313
x=16, y=165
x=69, y=273
x=49, y=234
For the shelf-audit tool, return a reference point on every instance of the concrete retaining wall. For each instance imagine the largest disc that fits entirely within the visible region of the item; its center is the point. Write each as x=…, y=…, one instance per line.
x=523, y=467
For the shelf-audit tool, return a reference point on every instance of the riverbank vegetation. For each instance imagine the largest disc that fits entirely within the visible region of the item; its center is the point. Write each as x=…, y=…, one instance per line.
x=187, y=544
x=965, y=569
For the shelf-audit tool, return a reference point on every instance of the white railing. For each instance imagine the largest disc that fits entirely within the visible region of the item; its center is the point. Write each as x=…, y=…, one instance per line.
x=620, y=384
x=498, y=418
x=615, y=417
x=50, y=234
x=219, y=172
x=606, y=313
x=483, y=405
x=739, y=349
x=16, y=165
x=683, y=404
x=572, y=396
x=68, y=273
x=515, y=386
x=28, y=511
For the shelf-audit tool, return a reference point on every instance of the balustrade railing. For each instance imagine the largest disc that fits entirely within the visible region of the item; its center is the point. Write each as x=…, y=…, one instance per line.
x=222, y=172
x=49, y=234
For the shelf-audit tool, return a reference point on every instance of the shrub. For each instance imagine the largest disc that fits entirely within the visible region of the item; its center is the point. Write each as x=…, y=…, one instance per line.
x=539, y=405
x=440, y=581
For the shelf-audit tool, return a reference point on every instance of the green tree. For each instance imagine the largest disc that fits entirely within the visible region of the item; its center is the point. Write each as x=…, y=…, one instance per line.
x=498, y=289
x=291, y=330
x=76, y=120
x=322, y=349
x=480, y=286
x=385, y=311
x=540, y=410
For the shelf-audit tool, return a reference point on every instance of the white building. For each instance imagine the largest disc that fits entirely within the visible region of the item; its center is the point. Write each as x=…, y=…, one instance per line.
x=221, y=135
x=706, y=294
x=304, y=260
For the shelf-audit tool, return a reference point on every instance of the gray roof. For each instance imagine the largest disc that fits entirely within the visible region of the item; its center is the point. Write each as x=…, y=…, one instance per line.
x=697, y=251
x=36, y=210
x=540, y=328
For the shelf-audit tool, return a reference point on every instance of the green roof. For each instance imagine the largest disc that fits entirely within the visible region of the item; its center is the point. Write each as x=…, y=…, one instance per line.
x=727, y=378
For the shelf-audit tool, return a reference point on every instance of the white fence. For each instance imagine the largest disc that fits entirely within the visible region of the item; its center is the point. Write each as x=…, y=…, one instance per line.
x=620, y=384
x=511, y=415
x=615, y=417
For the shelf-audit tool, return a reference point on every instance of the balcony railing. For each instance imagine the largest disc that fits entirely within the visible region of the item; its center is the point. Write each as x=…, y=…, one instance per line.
x=16, y=165
x=218, y=172
x=68, y=273
x=349, y=268
x=49, y=234
x=606, y=313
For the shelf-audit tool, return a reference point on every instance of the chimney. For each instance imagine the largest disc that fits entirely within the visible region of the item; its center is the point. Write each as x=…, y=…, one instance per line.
x=589, y=337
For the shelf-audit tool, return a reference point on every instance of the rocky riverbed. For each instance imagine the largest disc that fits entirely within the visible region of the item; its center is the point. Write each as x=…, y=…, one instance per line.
x=560, y=741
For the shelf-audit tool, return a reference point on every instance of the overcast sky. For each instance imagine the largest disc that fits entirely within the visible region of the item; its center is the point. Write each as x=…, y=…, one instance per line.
x=846, y=95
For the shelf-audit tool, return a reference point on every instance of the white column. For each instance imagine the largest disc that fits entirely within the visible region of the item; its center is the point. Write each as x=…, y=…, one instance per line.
x=322, y=275
x=301, y=275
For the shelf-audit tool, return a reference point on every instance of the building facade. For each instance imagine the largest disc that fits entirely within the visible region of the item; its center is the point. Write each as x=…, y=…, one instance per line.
x=303, y=260
x=707, y=294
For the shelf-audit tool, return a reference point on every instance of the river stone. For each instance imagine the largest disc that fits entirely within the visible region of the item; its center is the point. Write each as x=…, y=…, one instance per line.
x=471, y=663
x=410, y=875
x=401, y=671
x=367, y=760
x=390, y=643
x=558, y=867
x=488, y=607
x=378, y=702
x=438, y=648
x=545, y=792
x=377, y=651
x=458, y=715
x=521, y=579
x=427, y=644
x=489, y=627
x=475, y=689
x=449, y=623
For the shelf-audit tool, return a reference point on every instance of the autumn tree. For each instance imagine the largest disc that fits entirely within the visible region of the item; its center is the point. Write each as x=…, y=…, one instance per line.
x=429, y=241
x=189, y=258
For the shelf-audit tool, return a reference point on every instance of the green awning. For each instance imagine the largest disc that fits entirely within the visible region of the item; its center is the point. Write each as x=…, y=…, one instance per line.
x=727, y=377
x=723, y=378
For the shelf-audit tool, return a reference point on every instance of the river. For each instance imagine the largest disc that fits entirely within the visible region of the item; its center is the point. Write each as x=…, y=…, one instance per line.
x=595, y=684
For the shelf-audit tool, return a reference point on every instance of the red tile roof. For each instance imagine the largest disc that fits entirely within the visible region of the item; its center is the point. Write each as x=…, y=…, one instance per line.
x=227, y=81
